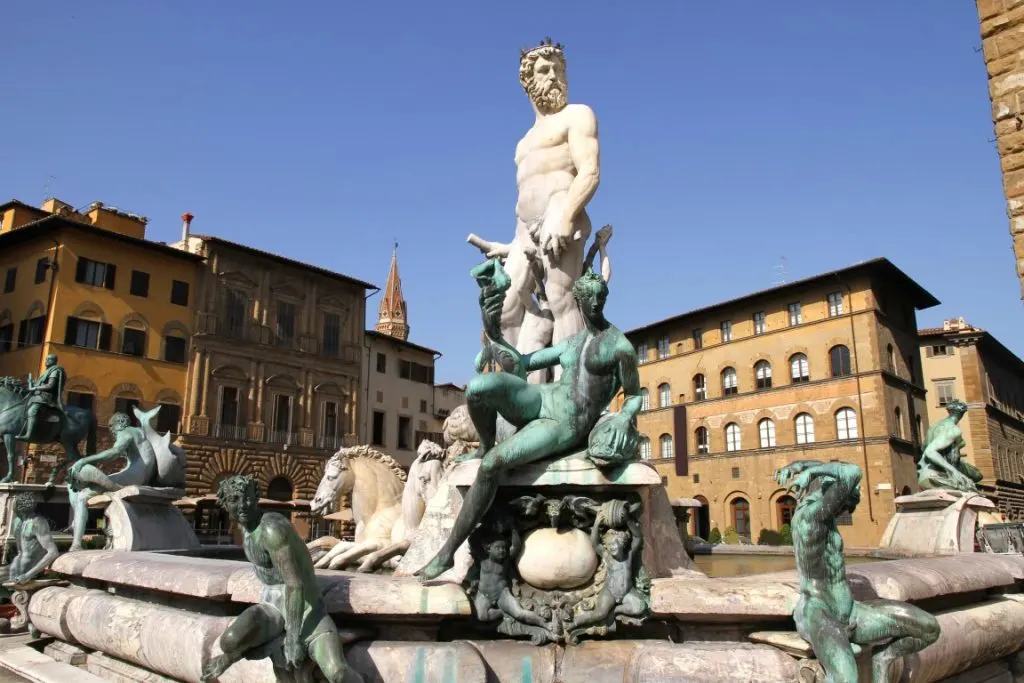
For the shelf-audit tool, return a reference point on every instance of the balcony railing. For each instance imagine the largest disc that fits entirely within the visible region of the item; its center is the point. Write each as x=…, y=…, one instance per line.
x=275, y=436
x=230, y=432
x=331, y=441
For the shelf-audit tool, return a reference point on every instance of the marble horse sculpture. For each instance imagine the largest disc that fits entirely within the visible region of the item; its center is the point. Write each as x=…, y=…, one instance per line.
x=837, y=626
x=375, y=482
x=71, y=425
x=425, y=474
x=151, y=460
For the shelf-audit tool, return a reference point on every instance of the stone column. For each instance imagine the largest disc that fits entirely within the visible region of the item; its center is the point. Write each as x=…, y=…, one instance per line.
x=250, y=407
x=206, y=385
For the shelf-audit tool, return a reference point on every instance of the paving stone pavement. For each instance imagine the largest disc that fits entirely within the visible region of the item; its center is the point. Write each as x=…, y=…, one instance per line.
x=7, y=643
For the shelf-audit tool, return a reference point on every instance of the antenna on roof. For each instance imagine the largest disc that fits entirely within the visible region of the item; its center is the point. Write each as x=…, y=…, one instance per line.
x=781, y=273
x=46, y=187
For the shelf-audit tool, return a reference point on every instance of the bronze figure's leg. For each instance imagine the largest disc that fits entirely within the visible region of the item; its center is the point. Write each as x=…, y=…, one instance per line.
x=327, y=651
x=10, y=443
x=831, y=644
x=911, y=627
x=254, y=627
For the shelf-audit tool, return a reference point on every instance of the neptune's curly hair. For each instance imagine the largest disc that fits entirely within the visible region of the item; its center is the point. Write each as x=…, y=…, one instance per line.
x=590, y=283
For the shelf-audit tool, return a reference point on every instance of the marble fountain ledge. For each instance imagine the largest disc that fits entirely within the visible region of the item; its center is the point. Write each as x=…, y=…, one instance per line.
x=224, y=580
x=573, y=470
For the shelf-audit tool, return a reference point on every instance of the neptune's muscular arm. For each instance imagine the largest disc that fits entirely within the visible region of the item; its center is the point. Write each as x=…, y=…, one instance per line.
x=543, y=358
x=630, y=377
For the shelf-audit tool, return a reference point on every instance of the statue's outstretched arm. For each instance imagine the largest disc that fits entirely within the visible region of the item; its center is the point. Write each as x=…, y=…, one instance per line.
x=630, y=376
x=118, y=449
x=543, y=358
x=283, y=558
x=845, y=479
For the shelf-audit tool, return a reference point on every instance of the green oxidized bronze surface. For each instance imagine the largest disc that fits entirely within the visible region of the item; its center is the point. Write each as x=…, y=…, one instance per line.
x=837, y=626
x=941, y=465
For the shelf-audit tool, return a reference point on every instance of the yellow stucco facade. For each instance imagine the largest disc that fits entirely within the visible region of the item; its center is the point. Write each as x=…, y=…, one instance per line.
x=116, y=310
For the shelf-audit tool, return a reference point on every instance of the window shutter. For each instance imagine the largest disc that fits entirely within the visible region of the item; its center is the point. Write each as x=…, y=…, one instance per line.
x=105, y=331
x=111, y=274
x=22, y=332
x=71, y=331
x=929, y=351
x=80, y=269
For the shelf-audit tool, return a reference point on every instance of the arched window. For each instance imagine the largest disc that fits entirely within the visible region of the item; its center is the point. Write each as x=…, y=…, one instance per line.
x=905, y=491
x=899, y=422
x=804, y=428
x=133, y=339
x=732, y=437
x=891, y=358
x=702, y=439
x=740, y=509
x=645, y=399
x=645, y=448
x=729, y=382
x=785, y=506
x=279, y=489
x=766, y=433
x=666, y=446
x=839, y=358
x=763, y=374
x=846, y=423
x=700, y=388
x=798, y=368
x=664, y=395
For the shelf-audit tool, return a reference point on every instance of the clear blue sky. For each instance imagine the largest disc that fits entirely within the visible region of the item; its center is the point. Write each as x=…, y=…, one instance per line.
x=733, y=134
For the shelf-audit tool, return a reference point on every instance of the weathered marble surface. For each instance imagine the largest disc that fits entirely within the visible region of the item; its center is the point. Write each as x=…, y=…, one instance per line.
x=935, y=522
x=39, y=668
x=143, y=518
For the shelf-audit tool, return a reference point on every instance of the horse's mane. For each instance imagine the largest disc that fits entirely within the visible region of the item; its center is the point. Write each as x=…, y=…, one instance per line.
x=369, y=453
x=14, y=385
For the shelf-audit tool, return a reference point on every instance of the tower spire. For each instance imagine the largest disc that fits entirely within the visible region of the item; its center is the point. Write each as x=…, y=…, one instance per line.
x=393, y=317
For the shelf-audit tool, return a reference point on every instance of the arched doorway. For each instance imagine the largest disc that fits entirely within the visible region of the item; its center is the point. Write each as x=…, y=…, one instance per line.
x=280, y=488
x=702, y=518
x=740, y=514
x=785, y=506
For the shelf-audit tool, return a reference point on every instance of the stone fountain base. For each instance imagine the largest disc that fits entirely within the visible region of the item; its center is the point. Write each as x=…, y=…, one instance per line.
x=935, y=522
x=155, y=617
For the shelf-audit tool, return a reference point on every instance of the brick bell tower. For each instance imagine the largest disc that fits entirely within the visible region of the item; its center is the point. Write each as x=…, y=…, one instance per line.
x=393, y=317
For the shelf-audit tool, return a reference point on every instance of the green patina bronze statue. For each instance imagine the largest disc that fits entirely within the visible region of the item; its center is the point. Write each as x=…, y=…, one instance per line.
x=36, y=549
x=827, y=616
x=551, y=419
x=941, y=465
x=290, y=623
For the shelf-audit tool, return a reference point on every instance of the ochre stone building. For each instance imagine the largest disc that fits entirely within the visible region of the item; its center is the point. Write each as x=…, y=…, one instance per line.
x=274, y=380
x=967, y=363
x=114, y=307
x=1002, y=34
x=403, y=405
x=826, y=368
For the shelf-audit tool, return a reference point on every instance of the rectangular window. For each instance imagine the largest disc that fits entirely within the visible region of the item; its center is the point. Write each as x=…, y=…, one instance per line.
x=759, y=326
x=234, y=313
x=329, y=426
x=735, y=472
x=641, y=354
x=404, y=433
x=229, y=406
x=404, y=369
x=423, y=374
x=423, y=406
x=168, y=418
x=844, y=519
x=6, y=337
x=696, y=478
x=179, y=292
x=87, y=334
x=698, y=338
x=282, y=414
x=31, y=331
x=10, y=280
x=835, y=304
x=81, y=400
x=944, y=390
x=796, y=315
x=726, y=328
x=95, y=273
x=139, y=285
x=378, y=429
x=133, y=342
x=331, y=342
x=174, y=349
x=127, y=406
x=938, y=350
x=285, y=323
x=663, y=347
x=41, y=266
x=382, y=363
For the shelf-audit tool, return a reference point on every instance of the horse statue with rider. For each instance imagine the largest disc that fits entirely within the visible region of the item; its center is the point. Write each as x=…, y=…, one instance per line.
x=33, y=412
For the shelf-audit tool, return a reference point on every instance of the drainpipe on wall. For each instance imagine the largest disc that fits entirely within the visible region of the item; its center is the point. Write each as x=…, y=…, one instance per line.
x=860, y=402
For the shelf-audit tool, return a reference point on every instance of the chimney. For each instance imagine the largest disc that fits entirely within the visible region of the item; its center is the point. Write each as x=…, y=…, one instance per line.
x=186, y=222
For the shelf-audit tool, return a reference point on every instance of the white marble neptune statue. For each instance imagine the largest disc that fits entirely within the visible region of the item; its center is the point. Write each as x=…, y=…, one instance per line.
x=558, y=170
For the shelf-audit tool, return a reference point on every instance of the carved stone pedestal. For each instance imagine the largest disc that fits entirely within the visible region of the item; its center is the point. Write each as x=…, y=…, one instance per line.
x=935, y=522
x=143, y=518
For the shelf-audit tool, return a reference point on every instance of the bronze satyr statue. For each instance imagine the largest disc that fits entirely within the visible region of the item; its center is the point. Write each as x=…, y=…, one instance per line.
x=36, y=549
x=827, y=616
x=290, y=623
